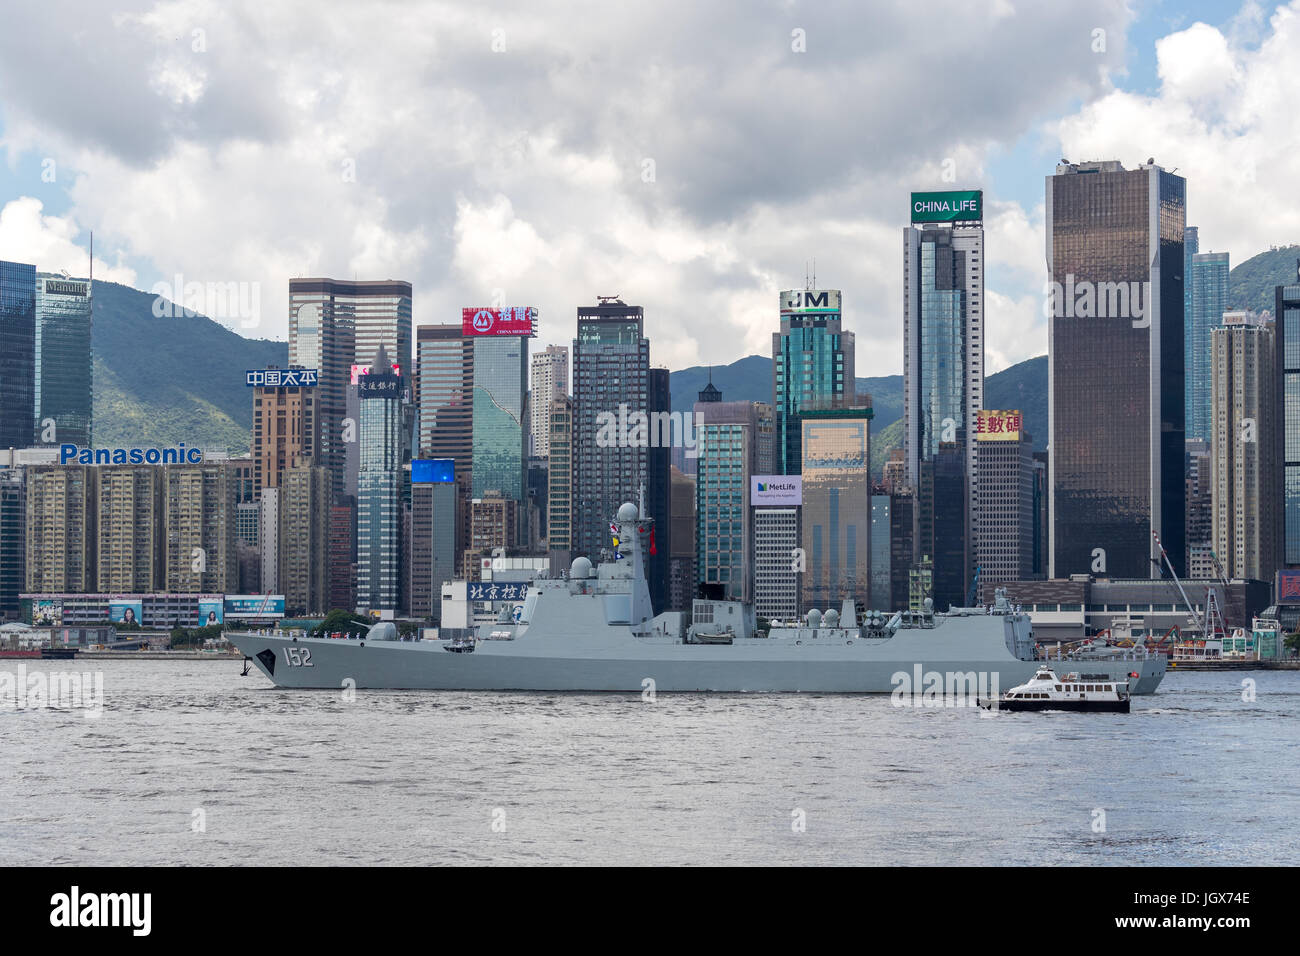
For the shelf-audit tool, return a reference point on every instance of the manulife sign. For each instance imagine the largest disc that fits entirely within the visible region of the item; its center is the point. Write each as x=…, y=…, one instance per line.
x=948, y=207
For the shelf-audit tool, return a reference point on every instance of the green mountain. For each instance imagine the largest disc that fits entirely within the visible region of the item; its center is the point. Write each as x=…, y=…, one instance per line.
x=161, y=381
x=1251, y=284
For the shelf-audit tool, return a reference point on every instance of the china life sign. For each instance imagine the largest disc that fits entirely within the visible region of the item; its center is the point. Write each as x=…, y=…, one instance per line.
x=998, y=426
x=959, y=206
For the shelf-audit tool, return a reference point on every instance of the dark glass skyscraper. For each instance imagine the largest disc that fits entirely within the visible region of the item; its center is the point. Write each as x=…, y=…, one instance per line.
x=812, y=367
x=943, y=379
x=62, y=366
x=1287, y=318
x=1208, y=281
x=384, y=450
x=17, y=353
x=1115, y=357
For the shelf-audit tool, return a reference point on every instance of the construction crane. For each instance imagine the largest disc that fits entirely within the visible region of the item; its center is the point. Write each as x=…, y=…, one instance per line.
x=1211, y=623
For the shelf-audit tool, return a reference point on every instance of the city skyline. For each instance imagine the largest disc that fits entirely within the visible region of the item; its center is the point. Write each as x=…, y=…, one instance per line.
x=532, y=203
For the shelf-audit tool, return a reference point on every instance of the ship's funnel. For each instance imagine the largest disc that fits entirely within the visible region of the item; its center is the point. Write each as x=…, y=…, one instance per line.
x=848, y=614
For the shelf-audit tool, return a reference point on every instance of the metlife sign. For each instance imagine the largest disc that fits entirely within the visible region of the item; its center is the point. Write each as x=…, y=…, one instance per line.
x=959, y=206
x=775, y=491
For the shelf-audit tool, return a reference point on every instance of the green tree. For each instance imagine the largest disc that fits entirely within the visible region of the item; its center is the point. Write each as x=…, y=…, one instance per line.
x=341, y=621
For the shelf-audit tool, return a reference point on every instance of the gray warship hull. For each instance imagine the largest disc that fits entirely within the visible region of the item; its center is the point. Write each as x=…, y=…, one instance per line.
x=594, y=630
x=627, y=663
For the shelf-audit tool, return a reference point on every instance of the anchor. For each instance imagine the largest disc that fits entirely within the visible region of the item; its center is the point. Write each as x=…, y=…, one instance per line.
x=247, y=660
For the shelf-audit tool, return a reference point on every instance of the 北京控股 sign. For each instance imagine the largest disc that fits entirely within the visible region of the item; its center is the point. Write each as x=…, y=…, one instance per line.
x=511, y=321
x=952, y=206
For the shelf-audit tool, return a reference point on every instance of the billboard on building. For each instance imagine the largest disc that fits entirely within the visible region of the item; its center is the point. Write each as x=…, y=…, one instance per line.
x=254, y=605
x=800, y=301
x=996, y=425
x=277, y=377
x=433, y=471
x=47, y=613
x=360, y=370
x=1288, y=588
x=126, y=611
x=211, y=611
x=517, y=320
x=954, y=206
x=775, y=491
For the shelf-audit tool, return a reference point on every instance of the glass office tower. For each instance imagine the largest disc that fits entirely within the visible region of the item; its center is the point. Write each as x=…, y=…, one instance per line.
x=17, y=353
x=1208, y=280
x=381, y=433
x=836, y=507
x=812, y=367
x=1115, y=360
x=500, y=433
x=1287, y=319
x=62, y=367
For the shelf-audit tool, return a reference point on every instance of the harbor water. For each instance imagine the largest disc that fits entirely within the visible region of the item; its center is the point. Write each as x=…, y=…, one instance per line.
x=190, y=763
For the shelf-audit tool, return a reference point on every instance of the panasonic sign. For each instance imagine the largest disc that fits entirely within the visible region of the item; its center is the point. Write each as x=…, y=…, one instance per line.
x=775, y=491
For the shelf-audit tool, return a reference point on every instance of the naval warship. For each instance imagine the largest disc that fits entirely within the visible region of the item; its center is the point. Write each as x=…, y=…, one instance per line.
x=594, y=630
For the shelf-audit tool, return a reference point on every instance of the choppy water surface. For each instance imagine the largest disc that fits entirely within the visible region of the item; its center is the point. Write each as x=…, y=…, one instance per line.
x=1195, y=775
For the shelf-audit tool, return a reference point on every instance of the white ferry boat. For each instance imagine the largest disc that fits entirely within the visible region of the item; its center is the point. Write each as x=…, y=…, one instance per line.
x=1091, y=693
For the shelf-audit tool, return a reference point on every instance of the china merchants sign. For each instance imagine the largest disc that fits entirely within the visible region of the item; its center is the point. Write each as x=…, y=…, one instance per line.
x=516, y=320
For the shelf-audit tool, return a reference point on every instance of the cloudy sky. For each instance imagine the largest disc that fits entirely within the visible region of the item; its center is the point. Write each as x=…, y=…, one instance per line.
x=689, y=156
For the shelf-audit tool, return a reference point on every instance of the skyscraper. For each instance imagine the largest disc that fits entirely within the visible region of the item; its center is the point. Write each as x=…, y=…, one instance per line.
x=1247, y=486
x=17, y=353
x=1287, y=319
x=943, y=342
x=284, y=431
x=500, y=433
x=199, y=548
x=335, y=324
x=434, y=523
x=445, y=358
x=550, y=378
x=559, y=476
x=836, y=457
x=812, y=366
x=1007, y=528
x=130, y=531
x=304, y=513
x=735, y=443
x=1209, y=297
x=1115, y=360
x=384, y=449
x=611, y=366
x=63, y=364
x=61, y=528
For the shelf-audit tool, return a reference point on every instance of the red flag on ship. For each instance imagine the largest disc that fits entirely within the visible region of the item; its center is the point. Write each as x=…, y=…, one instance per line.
x=653, y=549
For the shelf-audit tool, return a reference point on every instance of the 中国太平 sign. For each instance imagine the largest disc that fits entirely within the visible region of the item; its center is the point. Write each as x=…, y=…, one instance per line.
x=957, y=206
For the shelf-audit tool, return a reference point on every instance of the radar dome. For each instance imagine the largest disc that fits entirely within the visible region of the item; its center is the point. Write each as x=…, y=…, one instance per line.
x=814, y=618
x=581, y=568
x=383, y=631
x=831, y=619
x=627, y=512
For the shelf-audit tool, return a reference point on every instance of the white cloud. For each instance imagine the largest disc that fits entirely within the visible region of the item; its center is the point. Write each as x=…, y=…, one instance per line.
x=52, y=243
x=523, y=169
